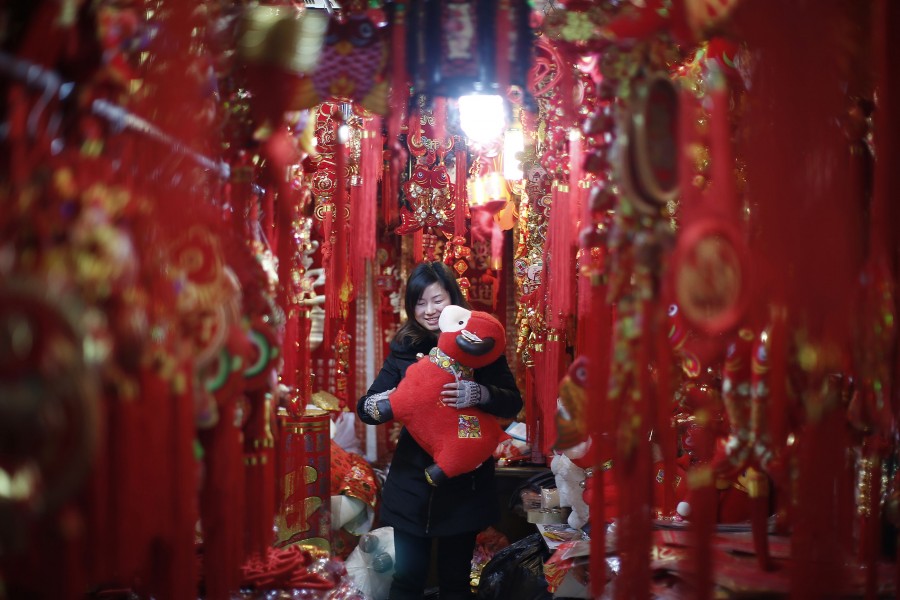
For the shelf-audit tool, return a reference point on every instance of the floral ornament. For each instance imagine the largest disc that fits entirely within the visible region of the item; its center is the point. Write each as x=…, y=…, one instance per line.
x=203, y=290
x=528, y=259
x=427, y=202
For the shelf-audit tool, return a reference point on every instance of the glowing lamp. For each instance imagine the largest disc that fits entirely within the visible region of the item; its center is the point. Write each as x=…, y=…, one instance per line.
x=482, y=118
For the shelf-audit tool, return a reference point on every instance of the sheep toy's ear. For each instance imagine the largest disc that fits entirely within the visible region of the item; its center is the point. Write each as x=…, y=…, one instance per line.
x=454, y=318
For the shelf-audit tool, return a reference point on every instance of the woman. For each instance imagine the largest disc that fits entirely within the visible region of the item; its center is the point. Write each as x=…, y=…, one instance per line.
x=456, y=510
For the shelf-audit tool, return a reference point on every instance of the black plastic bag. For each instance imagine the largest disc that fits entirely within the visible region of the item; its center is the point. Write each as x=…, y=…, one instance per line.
x=517, y=572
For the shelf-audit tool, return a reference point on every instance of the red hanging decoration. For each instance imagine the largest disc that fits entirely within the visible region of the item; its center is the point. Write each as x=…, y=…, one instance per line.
x=460, y=194
x=399, y=101
x=559, y=261
x=339, y=269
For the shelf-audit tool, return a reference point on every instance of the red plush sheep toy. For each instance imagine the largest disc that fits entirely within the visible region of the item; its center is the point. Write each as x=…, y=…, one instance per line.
x=458, y=439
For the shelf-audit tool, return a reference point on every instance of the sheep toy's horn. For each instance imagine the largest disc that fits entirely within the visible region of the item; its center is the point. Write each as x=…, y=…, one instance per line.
x=473, y=345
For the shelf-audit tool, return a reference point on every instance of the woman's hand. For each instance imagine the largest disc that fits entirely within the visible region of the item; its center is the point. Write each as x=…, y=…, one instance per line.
x=378, y=406
x=464, y=394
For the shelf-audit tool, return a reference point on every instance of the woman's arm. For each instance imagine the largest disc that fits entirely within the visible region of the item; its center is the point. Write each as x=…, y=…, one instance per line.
x=386, y=382
x=504, y=399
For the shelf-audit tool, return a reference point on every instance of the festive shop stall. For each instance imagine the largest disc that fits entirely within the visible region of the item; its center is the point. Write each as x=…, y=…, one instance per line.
x=681, y=213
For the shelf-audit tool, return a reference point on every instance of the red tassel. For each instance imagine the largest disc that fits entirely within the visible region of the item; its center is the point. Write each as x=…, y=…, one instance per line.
x=221, y=506
x=551, y=366
x=439, y=113
x=687, y=138
x=371, y=170
x=664, y=432
x=724, y=195
x=576, y=172
x=399, y=98
x=461, y=193
x=531, y=415
x=358, y=208
x=597, y=325
x=418, y=245
x=399, y=77
x=260, y=483
x=292, y=365
x=128, y=542
x=559, y=268
x=502, y=45
x=332, y=286
x=304, y=375
x=339, y=271
x=269, y=220
x=816, y=555
x=388, y=195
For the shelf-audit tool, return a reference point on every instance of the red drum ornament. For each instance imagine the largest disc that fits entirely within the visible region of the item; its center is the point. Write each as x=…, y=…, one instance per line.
x=710, y=271
x=304, y=502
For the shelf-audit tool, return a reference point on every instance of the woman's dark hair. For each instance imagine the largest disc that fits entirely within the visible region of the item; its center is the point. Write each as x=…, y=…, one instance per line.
x=423, y=275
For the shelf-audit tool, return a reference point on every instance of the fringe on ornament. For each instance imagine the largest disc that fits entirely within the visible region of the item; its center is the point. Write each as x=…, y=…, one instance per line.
x=460, y=193
x=221, y=507
x=559, y=263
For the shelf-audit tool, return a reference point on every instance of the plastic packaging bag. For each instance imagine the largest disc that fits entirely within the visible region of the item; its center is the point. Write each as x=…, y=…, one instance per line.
x=517, y=572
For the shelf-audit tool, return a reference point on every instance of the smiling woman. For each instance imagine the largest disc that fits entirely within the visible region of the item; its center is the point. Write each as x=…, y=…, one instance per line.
x=461, y=506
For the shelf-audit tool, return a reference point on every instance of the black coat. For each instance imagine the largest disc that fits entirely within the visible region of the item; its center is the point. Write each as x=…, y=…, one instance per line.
x=461, y=504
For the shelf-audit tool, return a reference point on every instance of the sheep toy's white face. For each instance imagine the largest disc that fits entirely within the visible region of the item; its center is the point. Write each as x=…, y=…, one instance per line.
x=454, y=318
x=474, y=338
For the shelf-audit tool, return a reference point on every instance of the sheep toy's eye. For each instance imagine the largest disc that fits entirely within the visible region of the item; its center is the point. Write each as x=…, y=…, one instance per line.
x=454, y=318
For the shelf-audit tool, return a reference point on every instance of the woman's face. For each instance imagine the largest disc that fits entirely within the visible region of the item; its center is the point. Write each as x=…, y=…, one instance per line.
x=428, y=309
